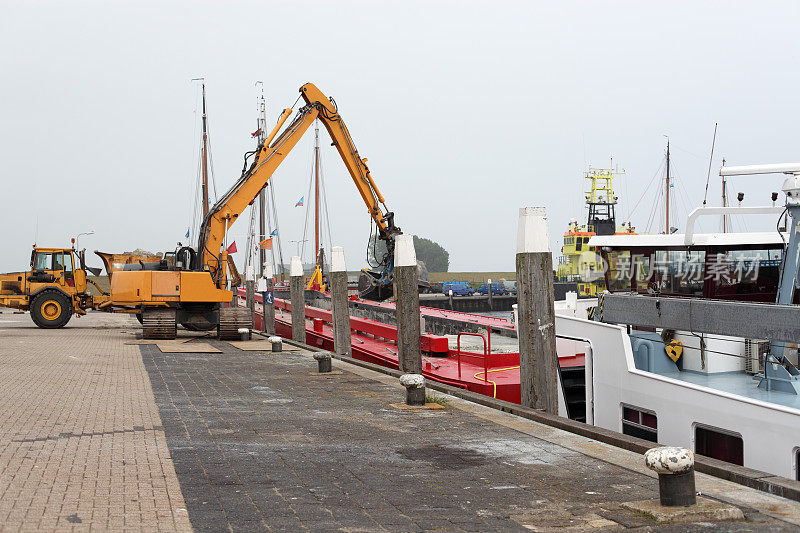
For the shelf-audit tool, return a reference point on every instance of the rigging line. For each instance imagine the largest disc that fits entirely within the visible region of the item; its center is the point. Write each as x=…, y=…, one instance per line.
x=639, y=201
x=308, y=209
x=325, y=204
x=685, y=150
x=277, y=227
x=210, y=153
x=710, y=160
x=195, y=183
x=655, y=208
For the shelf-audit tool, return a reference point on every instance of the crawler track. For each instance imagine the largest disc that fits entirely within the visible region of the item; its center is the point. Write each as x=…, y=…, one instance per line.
x=231, y=319
x=159, y=323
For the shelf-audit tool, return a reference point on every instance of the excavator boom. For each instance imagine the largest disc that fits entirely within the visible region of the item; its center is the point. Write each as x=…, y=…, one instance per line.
x=268, y=157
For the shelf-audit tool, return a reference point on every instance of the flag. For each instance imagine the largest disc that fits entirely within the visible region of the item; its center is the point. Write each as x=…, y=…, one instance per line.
x=187, y=232
x=266, y=244
x=256, y=133
x=274, y=233
x=299, y=202
x=232, y=248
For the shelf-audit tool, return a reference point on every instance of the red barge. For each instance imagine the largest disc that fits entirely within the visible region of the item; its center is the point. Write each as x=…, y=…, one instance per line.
x=493, y=374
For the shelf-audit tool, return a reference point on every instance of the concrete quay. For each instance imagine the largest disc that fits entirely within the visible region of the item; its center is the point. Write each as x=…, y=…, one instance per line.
x=99, y=432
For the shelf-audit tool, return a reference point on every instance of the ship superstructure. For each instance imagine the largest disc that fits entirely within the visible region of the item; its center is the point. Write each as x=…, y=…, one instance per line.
x=579, y=262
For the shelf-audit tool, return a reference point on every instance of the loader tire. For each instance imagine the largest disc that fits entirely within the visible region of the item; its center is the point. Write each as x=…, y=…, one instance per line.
x=51, y=309
x=159, y=323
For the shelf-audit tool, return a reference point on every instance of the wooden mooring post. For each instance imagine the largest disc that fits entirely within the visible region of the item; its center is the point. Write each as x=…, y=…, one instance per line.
x=407, y=305
x=298, y=297
x=536, y=321
x=339, y=302
x=250, y=290
x=268, y=298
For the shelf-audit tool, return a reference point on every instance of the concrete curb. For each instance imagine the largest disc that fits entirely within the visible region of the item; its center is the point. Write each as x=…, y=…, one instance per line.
x=755, y=479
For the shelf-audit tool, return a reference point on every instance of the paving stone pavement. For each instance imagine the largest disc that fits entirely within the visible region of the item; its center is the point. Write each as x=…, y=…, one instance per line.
x=262, y=442
x=81, y=442
x=249, y=441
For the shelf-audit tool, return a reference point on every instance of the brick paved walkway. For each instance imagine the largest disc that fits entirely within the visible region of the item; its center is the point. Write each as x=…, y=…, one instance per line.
x=81, y=441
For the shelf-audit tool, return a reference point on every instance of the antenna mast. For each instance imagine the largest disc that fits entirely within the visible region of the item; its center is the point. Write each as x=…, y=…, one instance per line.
x=724, y=201
x=666, y=232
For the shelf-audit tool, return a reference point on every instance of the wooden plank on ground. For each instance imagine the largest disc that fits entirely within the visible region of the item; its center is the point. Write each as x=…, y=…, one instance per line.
x=252, y=346
x=156, y=341
x=189, y=347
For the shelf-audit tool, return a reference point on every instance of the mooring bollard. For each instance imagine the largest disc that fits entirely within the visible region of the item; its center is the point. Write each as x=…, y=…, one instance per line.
x=298, y=300
x=415, y=388
x=340, y=303
x=277, y=343
x=323, y=362
x=244, y=334
x=536, y=323
x=675, y=469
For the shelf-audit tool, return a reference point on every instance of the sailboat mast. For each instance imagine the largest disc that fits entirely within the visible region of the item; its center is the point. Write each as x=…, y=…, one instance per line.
x=262, y=196
x=667, y=193
x=205, y=155
x=316, y=192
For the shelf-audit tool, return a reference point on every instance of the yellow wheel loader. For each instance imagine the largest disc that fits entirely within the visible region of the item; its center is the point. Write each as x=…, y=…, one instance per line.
x=53, y=289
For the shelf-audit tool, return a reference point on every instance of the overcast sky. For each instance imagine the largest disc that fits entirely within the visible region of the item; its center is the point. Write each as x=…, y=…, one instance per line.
x=466, y=111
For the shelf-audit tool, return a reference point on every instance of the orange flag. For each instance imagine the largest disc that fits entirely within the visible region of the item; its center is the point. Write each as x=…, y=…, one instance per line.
x=266, y=244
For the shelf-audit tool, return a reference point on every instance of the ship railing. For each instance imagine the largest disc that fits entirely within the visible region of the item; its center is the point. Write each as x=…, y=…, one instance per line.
x=487, y=349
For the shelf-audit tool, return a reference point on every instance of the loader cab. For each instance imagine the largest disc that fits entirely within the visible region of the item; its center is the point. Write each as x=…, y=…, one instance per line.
x=57, y=266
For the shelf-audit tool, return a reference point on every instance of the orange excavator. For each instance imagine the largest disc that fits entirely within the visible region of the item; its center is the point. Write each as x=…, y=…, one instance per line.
x=190, y=288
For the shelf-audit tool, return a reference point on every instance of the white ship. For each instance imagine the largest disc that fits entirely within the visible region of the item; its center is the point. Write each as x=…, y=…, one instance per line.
x=695, y=342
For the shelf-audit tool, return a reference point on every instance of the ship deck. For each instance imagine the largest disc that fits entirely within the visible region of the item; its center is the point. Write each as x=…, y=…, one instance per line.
x=738, y=383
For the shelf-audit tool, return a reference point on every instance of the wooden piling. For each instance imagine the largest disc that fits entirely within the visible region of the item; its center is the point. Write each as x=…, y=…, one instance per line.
x=536, y=320
x=250, y=290
x=339, y=302
x=297, y=294
x=407, y=305
x=268, y=298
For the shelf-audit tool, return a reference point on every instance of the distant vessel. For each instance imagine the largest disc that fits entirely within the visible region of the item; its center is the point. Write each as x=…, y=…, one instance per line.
x=579, y=262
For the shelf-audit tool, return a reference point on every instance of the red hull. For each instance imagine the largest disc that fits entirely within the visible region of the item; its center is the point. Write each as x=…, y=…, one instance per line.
x=495, y=375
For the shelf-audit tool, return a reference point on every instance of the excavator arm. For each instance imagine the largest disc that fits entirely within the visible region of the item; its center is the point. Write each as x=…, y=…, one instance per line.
x=268, y=157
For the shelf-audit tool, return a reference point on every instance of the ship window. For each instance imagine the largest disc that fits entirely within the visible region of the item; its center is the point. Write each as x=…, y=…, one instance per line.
x=719, y=444
x=619, y=271
x=578, y=245
x=641, y=423
x=745, y=274
x=679, y=272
